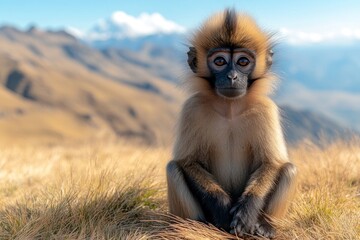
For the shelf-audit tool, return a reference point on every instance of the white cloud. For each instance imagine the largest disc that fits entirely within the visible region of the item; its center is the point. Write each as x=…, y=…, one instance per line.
x=344, y=35
x=122, y=25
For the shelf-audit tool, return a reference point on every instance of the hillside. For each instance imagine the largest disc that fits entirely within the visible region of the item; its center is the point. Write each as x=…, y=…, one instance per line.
x=322, y=78
x=300, y=125
x=55, y=88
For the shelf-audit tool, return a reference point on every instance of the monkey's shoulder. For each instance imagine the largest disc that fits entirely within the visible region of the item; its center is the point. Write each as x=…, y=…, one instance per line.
x=196, y=100
x=262, y=107
x=195, y=105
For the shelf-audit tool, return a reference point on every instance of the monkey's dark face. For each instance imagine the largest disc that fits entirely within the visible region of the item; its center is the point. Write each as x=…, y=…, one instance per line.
x=230, y=69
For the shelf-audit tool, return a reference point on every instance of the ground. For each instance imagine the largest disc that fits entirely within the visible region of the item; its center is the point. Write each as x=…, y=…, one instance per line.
x=118, y=191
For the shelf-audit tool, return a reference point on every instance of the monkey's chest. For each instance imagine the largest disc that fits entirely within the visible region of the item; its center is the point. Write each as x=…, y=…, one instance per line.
x=230, y=162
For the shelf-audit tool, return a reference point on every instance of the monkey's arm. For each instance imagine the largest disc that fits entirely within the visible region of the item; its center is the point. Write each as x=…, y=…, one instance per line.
x=215, y=202
x=246, y=211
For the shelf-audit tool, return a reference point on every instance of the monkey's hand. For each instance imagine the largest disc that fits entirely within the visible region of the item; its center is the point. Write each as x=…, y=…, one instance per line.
x=245, y=215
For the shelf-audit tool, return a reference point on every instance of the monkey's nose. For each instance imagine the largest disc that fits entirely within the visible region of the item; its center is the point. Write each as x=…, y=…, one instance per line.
x=232, y=75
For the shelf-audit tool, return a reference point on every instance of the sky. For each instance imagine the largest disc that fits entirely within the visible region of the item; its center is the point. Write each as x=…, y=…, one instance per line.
x=305, y=15
x=299, y=22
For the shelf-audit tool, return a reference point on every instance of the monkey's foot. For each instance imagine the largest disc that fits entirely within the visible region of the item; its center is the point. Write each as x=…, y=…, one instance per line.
x=241, y=228
x=245, y=214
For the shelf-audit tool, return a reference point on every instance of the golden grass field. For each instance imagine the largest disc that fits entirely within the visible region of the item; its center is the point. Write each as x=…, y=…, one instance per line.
x=118, y=191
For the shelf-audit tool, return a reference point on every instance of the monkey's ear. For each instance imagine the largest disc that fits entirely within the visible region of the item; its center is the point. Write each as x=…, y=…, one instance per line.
x=192, y=61
x=269, y=58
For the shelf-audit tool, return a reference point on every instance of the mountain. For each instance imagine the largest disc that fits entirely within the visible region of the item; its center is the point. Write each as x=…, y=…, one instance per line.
x=327, y=67
x=300, y=125
x=164, y=62
x=166, y=41
x=321, y=77
x=55, y=88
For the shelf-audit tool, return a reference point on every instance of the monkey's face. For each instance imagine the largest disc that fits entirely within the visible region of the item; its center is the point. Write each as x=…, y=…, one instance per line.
x=230, y=70
x=228, y=54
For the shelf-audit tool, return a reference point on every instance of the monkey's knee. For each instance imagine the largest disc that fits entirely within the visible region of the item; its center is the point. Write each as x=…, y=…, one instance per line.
x=181, y=201
x=174, y=174
x=288, y=172
x=174, y=177
x=283, y=192
x=171, y=167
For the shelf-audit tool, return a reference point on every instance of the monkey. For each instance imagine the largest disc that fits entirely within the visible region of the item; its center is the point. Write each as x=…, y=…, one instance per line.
x=230, y=165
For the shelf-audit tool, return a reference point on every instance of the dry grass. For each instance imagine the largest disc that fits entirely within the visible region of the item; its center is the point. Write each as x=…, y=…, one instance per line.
x=109, y=191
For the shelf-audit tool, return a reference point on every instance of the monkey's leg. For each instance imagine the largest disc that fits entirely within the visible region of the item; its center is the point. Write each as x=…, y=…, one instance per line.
x=277, y=201
x=204, y=190
x=181, y=201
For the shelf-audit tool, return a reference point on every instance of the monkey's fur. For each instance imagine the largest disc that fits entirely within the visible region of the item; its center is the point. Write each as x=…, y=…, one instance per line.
x=230, y=164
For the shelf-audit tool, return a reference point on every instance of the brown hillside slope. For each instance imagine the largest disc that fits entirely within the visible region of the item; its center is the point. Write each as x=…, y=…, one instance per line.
x=53, y=88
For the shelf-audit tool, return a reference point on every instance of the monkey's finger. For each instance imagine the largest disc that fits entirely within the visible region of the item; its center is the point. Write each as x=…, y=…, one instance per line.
x=253, y=229
x=234, y=223
x=239, y=231
x=260, y=232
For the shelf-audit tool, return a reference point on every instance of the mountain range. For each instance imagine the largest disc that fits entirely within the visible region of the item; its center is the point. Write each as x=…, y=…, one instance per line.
x=56, y=87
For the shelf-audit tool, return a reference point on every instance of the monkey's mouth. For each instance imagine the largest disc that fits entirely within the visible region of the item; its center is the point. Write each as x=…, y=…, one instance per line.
x=231, y=92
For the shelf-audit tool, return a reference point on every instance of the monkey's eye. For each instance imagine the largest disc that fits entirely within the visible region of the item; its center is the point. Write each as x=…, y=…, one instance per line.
x=220, y=61
x=243, y=61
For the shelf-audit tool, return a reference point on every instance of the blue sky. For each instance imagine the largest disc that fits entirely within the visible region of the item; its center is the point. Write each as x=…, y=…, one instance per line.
x=303, y=15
